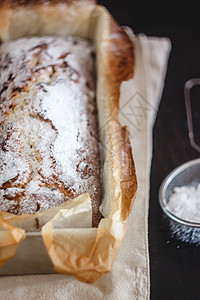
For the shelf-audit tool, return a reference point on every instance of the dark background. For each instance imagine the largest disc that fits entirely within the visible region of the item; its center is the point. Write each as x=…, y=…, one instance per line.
x=174, y=265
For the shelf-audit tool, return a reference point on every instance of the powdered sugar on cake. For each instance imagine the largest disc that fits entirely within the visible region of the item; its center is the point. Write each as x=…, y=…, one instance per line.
x=47, y=96
x=15, y=168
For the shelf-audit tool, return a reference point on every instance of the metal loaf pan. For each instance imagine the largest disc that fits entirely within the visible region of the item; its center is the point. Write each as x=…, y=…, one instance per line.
x=31, y=258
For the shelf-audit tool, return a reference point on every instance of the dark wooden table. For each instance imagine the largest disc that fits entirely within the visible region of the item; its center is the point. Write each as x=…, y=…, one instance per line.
x=174, y=265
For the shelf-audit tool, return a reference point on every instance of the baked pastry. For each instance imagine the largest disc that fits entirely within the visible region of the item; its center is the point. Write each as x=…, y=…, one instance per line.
x=49, y=149
x=81, y=250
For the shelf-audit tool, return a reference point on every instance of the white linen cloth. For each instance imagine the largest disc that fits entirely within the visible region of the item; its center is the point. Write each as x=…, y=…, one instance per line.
x=129, y=278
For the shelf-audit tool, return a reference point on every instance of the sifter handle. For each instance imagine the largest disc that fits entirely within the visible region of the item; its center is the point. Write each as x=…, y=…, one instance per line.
x=187, y=87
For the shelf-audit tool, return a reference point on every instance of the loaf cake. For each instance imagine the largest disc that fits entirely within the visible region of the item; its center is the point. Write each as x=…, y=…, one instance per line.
x=49, y=151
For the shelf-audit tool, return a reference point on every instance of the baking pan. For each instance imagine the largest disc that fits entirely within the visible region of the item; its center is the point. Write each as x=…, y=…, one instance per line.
x=31, y=258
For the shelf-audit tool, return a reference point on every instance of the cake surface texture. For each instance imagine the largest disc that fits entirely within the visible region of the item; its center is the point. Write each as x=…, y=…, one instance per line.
x=49, y=152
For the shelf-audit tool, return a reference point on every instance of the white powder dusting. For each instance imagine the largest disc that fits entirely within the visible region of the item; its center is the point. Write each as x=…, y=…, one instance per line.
x=47, y=93
x=185, y=203
x=66, y=144
x=14, y=167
